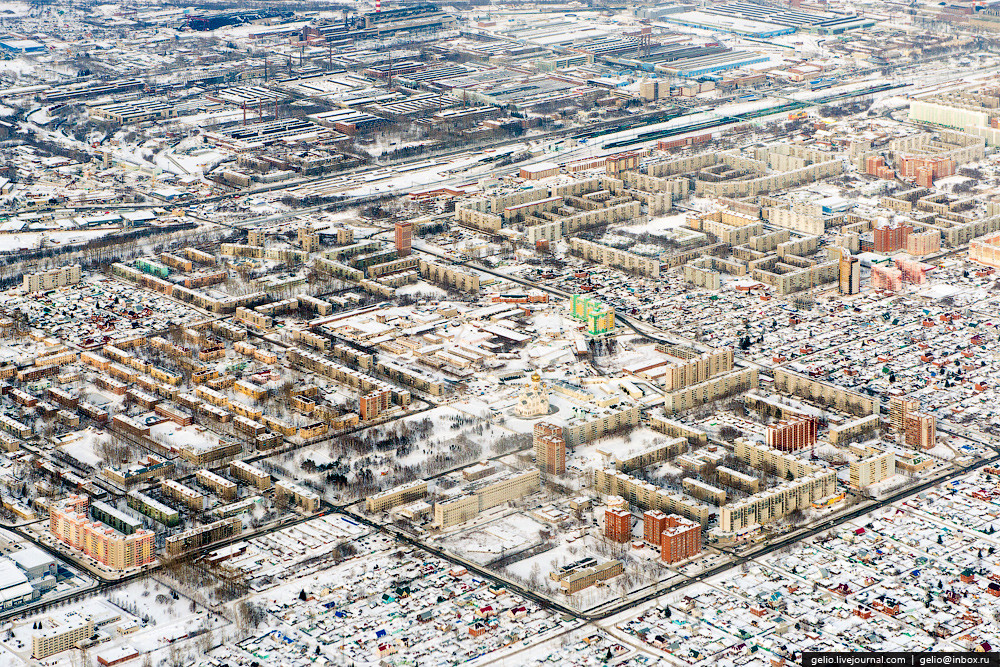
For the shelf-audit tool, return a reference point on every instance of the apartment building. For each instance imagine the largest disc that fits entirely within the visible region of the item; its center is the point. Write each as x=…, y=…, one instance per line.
x=594, y=423
x=924, y=243
x=598, y=318
x=608, y=256
x=221, y=486
x=719, y=386
x=250, y=474
x=618, y=524
x=200, y=536
x=575, y=577
x=455, y=511
x=192, y=499
x=872, y=469
x=63, y=635
x=856, y=428
x=69, y=524
x=448, y=276
x=399, y=495
x=486, y=494
x=403, y=237
x=153, y=508
x=660, y=451
x=920, y=429
x=899, y=408
x=647, y=496
x=680, y=539
x=550, y=448
x=683, y=373
x=653, y=523
x=792, y=434
x=206, y=453
x=776, y=503
x=773, y=461
x=296, y=495
x=144, y=469
x=52, y=279
x=833, y=395
x=374, y=403
x=703, y=491
x=253, y=318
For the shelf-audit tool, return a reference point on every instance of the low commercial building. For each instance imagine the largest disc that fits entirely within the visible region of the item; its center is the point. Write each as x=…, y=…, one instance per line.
x=575, y=577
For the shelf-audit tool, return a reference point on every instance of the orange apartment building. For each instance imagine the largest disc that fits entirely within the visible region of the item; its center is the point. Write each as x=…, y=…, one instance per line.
x=404, y=237
x=69, y=524
x=925, y=170
x=893, y=237
x=618, y=524
x=653, y=524
x=793, y=434
x=680, y=539
x=374, y=403
x=921, y=430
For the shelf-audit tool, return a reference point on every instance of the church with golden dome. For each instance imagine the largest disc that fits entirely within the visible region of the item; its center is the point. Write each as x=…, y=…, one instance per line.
x=534, y=400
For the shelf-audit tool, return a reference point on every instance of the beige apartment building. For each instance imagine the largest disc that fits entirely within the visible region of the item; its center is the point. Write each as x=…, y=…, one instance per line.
x=608, y=256
x=838, y=397
x=449, y=276
x=296, y=495
x=399, y=495
x=855, y=428
x=774, y=461
x=776, y=503
x=647, y=496
x=576, y=579
x=250, y=474
x=698, y=369
x=486, y=495
x=220, y=485
x=595, y=423
x=51, y=279
x=64, y=636
x=872, y=469
x=720, y=386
